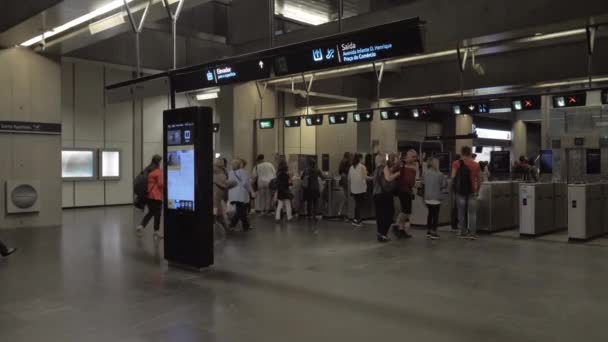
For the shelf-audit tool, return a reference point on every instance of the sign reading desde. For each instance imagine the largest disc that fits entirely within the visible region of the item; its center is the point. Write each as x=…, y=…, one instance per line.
x=266, y=123
x=525, y=103
x=363, y=116
x=29, y=127
x=292, y=122
x=214, y=75
x=180, y=167
x=572, y=100
x=382, y=42
x=314, y=120
x=494, y=134
x=336, y=119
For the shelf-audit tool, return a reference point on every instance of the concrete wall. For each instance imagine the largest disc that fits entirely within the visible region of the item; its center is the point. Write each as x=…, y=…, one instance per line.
x=30, y=90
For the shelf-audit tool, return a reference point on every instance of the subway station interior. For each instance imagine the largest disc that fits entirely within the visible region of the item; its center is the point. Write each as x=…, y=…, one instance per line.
x=303, y=170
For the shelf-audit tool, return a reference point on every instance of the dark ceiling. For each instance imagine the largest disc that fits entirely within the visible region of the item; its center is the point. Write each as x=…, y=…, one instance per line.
x=13, y=12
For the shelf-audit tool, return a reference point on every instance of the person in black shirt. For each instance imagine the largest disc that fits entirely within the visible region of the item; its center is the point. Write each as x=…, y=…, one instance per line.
x=343, y=170
x=312, y=189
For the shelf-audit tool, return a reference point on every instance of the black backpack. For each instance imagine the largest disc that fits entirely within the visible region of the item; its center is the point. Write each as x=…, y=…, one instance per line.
x=462, y=181
x=140, y=190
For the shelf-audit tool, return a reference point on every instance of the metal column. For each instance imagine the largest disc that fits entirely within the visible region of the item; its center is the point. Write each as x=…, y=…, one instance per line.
x=137, y=28
x=174, y=17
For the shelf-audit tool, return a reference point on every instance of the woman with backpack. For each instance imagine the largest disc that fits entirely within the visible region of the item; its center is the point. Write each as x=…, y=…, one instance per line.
x=240, y=195
x=357, y=178
x=155, y=195
x=283, y=194
x=221, y=185
x=310, y=184
x=385, y=185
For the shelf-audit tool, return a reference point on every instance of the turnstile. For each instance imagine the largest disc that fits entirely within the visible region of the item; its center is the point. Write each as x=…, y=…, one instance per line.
x=585, y=211
x=495, y=207
x=537, y=208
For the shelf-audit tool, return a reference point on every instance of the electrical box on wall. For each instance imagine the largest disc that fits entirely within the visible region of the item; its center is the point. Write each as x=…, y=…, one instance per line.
x=22, y=196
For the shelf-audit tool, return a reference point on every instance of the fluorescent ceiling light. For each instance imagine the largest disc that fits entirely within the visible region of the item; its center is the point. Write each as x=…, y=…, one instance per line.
x=500, y=110
x=207, y=96
x=334, y=106
x=113, y=5
x=107, y=23
x=302, y=14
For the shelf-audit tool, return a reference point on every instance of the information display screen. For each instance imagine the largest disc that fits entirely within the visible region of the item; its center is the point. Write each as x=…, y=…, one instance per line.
x=386, y=41
x=500, y=161
x=180, y=161
x=78, y=164
x=594, y=161
x=546, y=161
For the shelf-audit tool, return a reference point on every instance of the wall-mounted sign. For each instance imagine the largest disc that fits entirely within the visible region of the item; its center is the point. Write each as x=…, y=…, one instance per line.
x=294, y=121
x=570, y=100
x=109, y=162
x=525, y=103
x=605, y=96
x=400, y=38
x=337, y=119
x=314, y=120
x=494, y=134
x=471, y=108
x=229, y=73
x=30, y=127
x=78, y=164
x=216, y=128
x=363, y=116
x=546, y=161
x=266, y=123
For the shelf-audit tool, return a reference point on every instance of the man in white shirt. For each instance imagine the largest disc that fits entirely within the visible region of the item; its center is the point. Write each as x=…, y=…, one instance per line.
x=263, y=173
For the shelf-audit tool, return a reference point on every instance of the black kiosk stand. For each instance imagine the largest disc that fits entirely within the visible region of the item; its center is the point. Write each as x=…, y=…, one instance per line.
x=188, y=172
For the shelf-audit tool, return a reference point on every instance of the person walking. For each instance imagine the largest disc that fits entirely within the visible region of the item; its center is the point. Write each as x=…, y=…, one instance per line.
x=263, y=173
x=343, y=170
x=240, y=194
x=466, y=181
x=407, y=182
x=283, y=192
x=221, y=185
x=310, y=183
x=357, y=178
x=385, y=185
x=6, y=251
x=154, y=202
x=435, y=185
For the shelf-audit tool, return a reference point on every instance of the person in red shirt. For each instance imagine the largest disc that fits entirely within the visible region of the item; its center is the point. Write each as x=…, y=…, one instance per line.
x=466, y=194
x=407, y=182
x=155, y=196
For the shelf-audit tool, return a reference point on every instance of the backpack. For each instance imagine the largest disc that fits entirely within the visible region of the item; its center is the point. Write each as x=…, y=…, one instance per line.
x=140, y=190
x=462, y=181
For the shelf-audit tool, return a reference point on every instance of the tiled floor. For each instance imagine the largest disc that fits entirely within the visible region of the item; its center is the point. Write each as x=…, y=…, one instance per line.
x=93, y=280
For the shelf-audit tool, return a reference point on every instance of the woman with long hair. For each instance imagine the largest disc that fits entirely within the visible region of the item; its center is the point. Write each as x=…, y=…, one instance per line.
x=283, y=193
x=385, y=185
x=154, y=202
x=240, y=195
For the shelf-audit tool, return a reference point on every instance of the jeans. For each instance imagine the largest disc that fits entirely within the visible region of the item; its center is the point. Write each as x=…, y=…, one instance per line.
x=385, y=210
x=432, y=220
x=240, y=215
x=359, y=202
x=283, y=203
x=263, y=201
x=467, y=213
x=154, y=211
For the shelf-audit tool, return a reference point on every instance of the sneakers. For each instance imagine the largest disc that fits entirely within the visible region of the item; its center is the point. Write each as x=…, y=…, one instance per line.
x=9, y=252
x=432, y=236
x=471, y=237
x=139, y=229
x=158, y=236
x=383, y=238
x=357, y=223
x=467, y=236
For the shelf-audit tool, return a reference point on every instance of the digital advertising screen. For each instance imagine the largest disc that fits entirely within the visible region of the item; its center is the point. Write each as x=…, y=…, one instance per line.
x=500, y=161
x=546, y=161
x=594, y=161
x=78, y=164
x=180, y=161
x=110, y=164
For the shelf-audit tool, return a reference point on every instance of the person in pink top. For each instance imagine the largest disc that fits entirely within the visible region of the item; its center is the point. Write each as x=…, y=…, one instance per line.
x=155, y=196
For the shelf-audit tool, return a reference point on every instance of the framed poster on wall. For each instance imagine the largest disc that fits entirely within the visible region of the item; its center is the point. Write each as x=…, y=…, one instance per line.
x=78, y=164
x=109, y=164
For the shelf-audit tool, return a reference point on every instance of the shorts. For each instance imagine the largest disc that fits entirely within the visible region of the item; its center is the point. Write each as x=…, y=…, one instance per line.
x=405, y=198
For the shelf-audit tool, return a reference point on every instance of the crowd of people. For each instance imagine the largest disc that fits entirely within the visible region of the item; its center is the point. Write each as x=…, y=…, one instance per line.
x=394, y=177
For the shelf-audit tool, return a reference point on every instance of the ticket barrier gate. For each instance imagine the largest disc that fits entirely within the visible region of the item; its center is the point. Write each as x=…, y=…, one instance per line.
x=495, y=210
x=587, y=206
x=542, y=208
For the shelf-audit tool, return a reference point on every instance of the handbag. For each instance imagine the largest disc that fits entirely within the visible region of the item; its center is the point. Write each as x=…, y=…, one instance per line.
x=386, y=186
